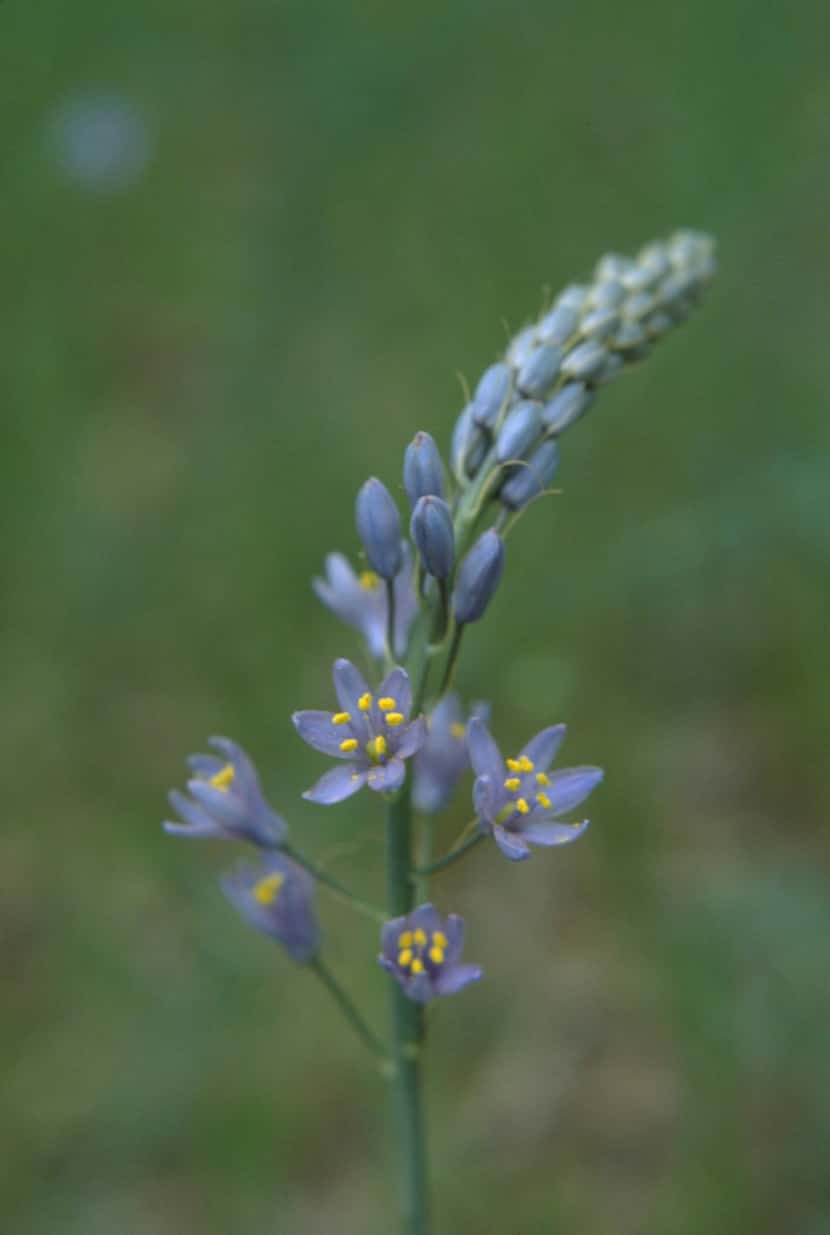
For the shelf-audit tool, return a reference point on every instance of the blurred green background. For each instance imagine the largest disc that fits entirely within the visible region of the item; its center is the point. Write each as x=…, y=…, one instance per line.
x=246, y=250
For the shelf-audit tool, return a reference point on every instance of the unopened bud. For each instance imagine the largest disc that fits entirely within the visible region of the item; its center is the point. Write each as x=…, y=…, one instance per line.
x=379, y=527
x=431, y=529
x=423, y=473
x=531, y=478
x=478, y=577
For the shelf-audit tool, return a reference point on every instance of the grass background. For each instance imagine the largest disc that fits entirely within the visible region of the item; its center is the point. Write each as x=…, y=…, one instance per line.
x=340, y=206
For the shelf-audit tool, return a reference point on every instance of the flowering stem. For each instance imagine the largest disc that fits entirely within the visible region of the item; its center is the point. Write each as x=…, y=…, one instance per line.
x=449, y=668
x=407, y=1027
x=348, y=1009
x=337, y=889
x=449, y=858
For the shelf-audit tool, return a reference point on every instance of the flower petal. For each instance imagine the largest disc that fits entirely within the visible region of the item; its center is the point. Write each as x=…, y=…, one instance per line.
x=225, y=806
x=454, y=930
x=195, y=816
x=570, y=786
x=389, y=936
x=455, y=977
x=542, y=749
x=336, y=785
x=511, y=845
x=485, y=755
x=553, y=833
x=412, y=738
x=419, y=989
x=485, y=799
x=396, y=686
x=426, y=917
x=350, y=685
x=317, y=730
x=388, y=777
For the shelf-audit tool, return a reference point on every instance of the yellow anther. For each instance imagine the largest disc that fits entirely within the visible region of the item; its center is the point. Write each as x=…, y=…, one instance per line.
x=525, y=764
x=417, y=965
x=514, y=765
x=512, y=783
x=522, y=806
x=457, y=730
x=268, y=889
x=439, y=939
x=543, y=800
x=387, y=703
x=542, y=779
x=369, y=580
x=376, y=747
x=419, y=937
x=348, y=744
x=341, y=718
x=223, y=778
x=405, y=939
x=405, y=957
x=436, y=955
x=365, y=702
x=394, y=718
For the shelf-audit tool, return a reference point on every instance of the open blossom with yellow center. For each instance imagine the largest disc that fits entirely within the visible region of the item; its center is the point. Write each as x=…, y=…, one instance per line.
x=422, y=951
x=370, y=732
x=276, y=896
x=226, y=800
x=443, y=758
x=361, y=600
x=518, y=800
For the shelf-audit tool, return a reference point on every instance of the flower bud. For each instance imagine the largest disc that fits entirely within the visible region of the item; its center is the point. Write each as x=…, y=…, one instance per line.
x=478, y=577
x=379, y=527
x=431, y=529
x=520, y=346
x=539, y=371
x=558, y=325
x=468, y=446
x=566, y=406
x=530, y=479
x=585, y=360
x=519, y=431
x=422, y=470
x=599, y=324
x=491, y=395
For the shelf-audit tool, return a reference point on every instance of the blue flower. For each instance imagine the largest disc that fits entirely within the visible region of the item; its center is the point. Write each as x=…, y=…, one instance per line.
x=443, y=758
x=422, y=952
x=361, y=601
x=226, y=800
x=277, y=897
x=372, y=733
x=517, y=800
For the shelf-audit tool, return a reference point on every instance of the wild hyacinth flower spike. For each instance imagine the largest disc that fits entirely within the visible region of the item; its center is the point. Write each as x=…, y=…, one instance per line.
x=371, y=733
x=276, y=896
x=226, y=801
x=443, y=758
x=361, y=600
x=422, y=951
x=518, y=800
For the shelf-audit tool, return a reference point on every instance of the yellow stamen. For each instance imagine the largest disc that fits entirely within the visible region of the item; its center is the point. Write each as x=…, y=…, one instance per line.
x=405, y=957
x=522, y=806
x=405, y=939
x=458, y=730
x=387, y=703
x=543, y=800
x=376, y=747
x=417, y=965
x=268, y=889
x=512, y=783
x=341, y=718
x=514, y=765
x=419, y=936
x=436, y=955
x=394, y=718
x=369, y=580
x=525, y=764
x=348, y=744
x=542, y=779
x=439, y=939
x=365, y=702
x=223, y=778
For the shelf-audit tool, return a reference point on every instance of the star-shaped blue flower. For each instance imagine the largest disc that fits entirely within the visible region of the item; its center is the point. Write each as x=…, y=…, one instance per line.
x=517, y=800
x=422, y=952
x=371, y=733
x=226, y=800
x=276, y=896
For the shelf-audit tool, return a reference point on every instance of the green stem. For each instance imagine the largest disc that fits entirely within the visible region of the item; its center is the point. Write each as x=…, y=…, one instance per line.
x=449, y=668
x=348, y=1009
x=448, y=858
x=390, y=620
x=336, y=889
x=407, y=1028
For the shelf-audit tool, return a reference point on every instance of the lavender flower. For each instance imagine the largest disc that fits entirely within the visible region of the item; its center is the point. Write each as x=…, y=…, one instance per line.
x=361, y=600
x=226, y=800
x=422, y=952
x=517, y=800
x=277, y=897
x=371, y=733
x=443, y=758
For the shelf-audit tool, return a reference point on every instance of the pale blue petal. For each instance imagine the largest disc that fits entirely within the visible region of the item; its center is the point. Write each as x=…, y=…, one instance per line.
x=387, y=777
x=455, y=977
x=336, y=785
x=411, y=739
x=542, y=749
x=316, y=728
x=511, y=845
x=485, y=755
x=571, y=786
x=553, y=833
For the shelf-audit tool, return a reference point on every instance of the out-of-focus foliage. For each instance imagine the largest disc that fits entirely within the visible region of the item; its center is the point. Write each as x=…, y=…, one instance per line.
x=245, y=249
